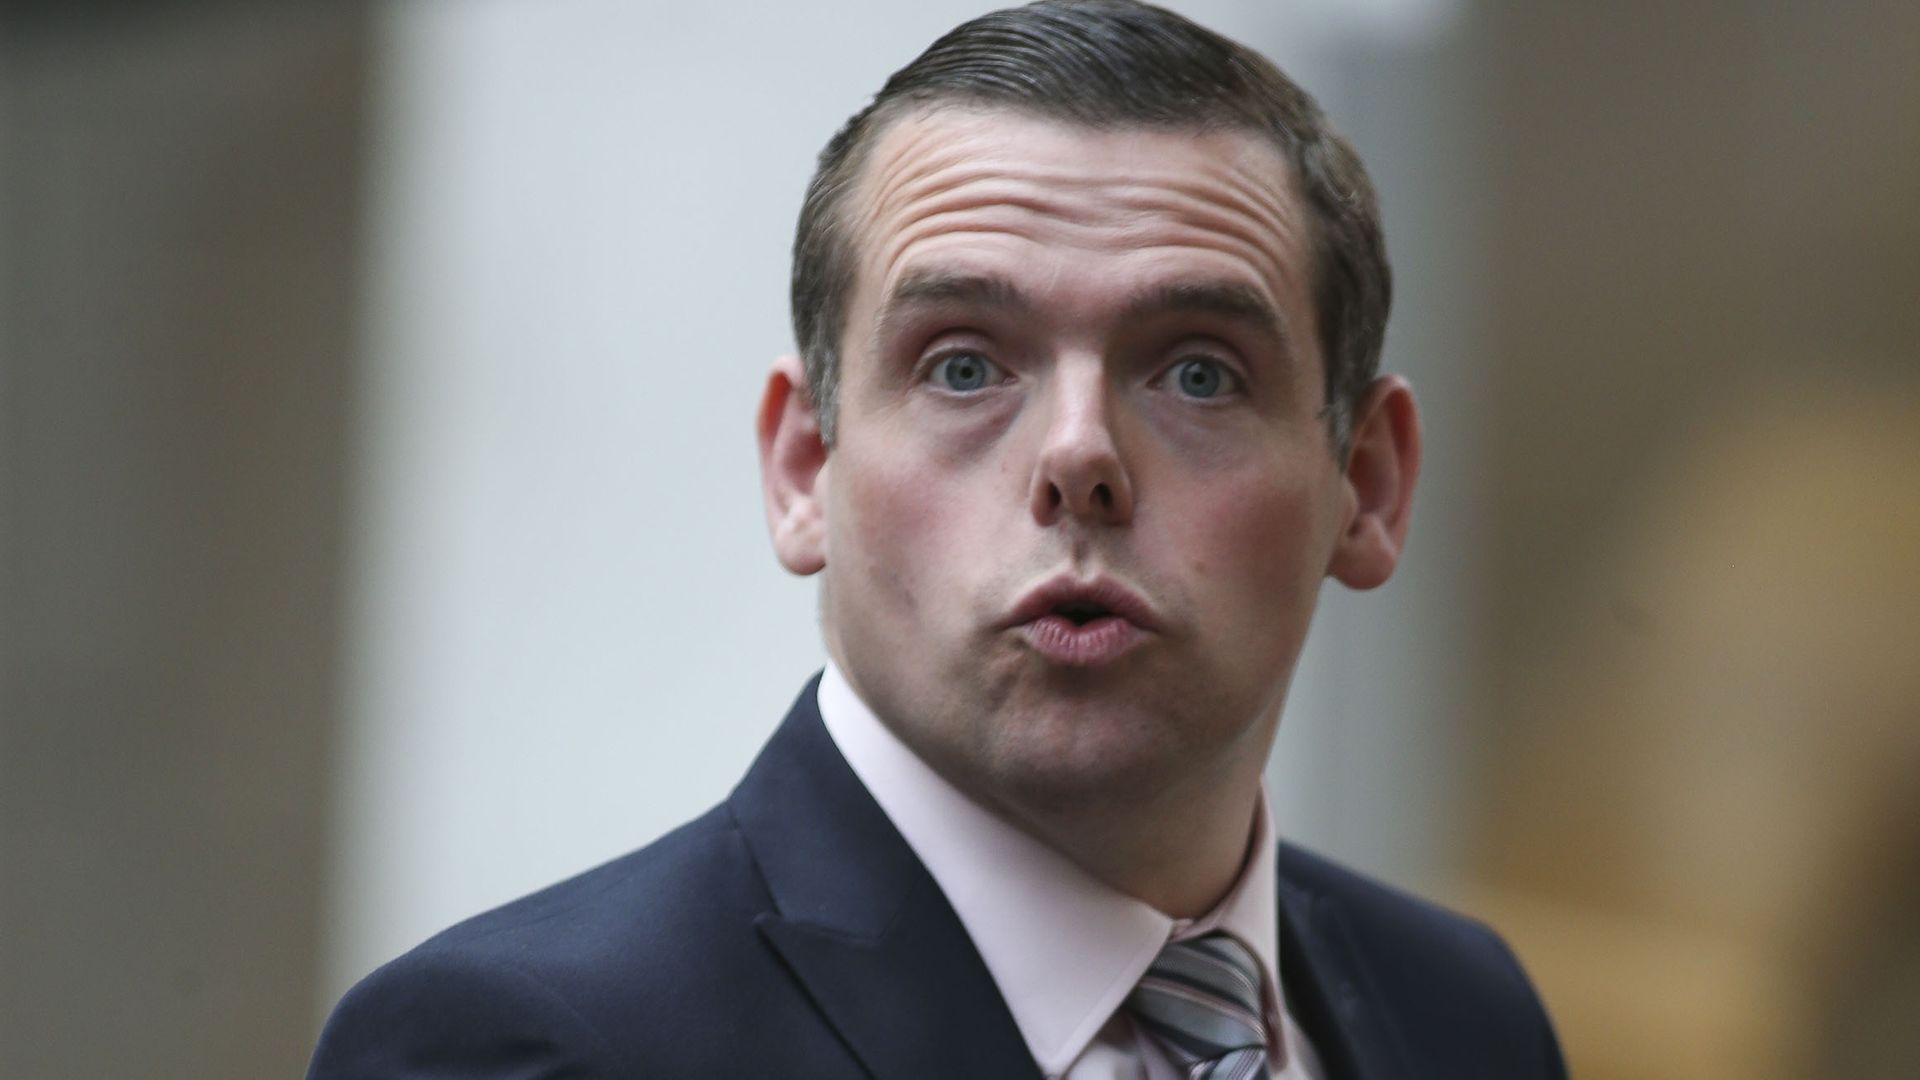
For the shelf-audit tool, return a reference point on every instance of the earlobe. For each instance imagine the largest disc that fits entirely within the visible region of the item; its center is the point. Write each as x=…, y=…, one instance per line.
x=793, y=459
x=1382, y=465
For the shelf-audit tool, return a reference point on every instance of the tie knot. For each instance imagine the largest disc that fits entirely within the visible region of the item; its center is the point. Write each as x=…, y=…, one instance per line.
x=1201, y=998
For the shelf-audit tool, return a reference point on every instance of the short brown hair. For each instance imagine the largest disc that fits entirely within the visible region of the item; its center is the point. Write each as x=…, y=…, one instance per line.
x=1110, y=64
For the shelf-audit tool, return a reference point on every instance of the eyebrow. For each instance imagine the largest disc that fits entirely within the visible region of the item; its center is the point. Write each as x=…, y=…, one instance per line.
x=936, y=288
x=1233, y=301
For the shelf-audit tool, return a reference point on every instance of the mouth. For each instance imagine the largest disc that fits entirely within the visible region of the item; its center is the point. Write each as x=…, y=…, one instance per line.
x=1081, y=612
x=1082, y=623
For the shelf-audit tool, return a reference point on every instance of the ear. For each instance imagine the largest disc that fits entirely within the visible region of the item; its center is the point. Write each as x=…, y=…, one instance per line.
x=793, y=461
x=1382, y=464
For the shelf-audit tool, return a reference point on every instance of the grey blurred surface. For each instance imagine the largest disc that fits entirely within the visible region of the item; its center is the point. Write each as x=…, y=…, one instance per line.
x=180, y=185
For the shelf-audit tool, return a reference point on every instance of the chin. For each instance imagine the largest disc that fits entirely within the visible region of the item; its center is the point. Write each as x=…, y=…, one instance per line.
x=1065, y=755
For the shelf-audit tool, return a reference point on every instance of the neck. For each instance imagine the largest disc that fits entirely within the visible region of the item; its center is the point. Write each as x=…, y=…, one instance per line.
x=1179, y=849
x=1180, y=853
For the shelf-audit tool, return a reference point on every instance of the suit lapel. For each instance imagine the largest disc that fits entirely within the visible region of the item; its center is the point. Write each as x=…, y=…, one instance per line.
x=1328, y=988
x=879, y=952
x=861, y=924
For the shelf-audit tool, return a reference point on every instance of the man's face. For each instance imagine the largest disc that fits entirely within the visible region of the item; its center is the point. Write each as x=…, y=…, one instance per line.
x=1081, y=497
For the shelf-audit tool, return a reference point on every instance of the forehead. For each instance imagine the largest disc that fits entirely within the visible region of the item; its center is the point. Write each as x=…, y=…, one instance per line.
x=956, y=185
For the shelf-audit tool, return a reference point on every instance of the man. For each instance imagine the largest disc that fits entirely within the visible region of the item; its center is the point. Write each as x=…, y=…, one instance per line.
x=1090, y=302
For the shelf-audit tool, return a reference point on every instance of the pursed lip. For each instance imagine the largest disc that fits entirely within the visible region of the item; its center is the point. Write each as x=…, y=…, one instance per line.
x=1064, y=590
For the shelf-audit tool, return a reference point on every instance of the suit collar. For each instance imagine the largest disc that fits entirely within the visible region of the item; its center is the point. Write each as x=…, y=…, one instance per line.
x=1023, y=904
x=868, y=934
x=861, y=924
x=1329, y=985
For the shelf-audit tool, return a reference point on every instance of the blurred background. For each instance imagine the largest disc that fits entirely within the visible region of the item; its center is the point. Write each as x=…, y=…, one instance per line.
x=380, y=534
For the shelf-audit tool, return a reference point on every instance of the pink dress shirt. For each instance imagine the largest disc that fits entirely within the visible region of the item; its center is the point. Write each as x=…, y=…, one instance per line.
x=1064, y=949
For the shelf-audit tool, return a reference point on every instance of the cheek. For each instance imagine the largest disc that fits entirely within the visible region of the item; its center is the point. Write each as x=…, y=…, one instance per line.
x=895, y=535
x=1257, y=545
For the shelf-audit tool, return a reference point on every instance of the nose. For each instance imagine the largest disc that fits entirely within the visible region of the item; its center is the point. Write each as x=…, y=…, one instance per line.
x=1079, y=471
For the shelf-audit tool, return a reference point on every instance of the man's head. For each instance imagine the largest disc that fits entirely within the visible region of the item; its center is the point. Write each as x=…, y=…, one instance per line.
x=1110, y=64
x=1080, y=498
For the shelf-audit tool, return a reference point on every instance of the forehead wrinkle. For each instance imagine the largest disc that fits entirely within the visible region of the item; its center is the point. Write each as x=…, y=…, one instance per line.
x=1075, y=195
x=1134, y=212
x=929, y=180
x=955, y=173
x=1263, y=234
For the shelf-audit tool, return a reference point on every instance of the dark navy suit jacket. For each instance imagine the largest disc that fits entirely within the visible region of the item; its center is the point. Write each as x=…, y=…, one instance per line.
x=791, y=932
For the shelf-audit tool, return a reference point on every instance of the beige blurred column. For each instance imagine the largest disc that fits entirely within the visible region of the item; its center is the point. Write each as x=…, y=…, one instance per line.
x=1704, y=233
x=177, y=245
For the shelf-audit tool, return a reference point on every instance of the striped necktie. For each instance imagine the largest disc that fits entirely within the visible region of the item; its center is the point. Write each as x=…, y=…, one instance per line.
x=1201, y=1000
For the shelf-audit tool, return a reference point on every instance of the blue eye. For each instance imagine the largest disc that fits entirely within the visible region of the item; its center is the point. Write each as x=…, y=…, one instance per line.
x=1201, y=377
x=964, y=372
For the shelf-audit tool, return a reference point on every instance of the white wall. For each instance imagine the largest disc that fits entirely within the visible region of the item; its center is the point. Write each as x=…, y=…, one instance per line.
x=566, y=629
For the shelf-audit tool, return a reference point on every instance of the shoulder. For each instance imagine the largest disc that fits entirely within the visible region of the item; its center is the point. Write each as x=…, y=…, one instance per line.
x=1447, y=983
x=569, y=980
x=1389, y=921
x=439, y=1012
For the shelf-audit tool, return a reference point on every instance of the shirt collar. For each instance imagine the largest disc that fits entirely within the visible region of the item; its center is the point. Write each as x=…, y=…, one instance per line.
x=1025, y=905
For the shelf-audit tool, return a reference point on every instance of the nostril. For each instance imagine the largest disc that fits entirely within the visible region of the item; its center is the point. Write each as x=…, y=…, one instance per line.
x=1103, y=495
